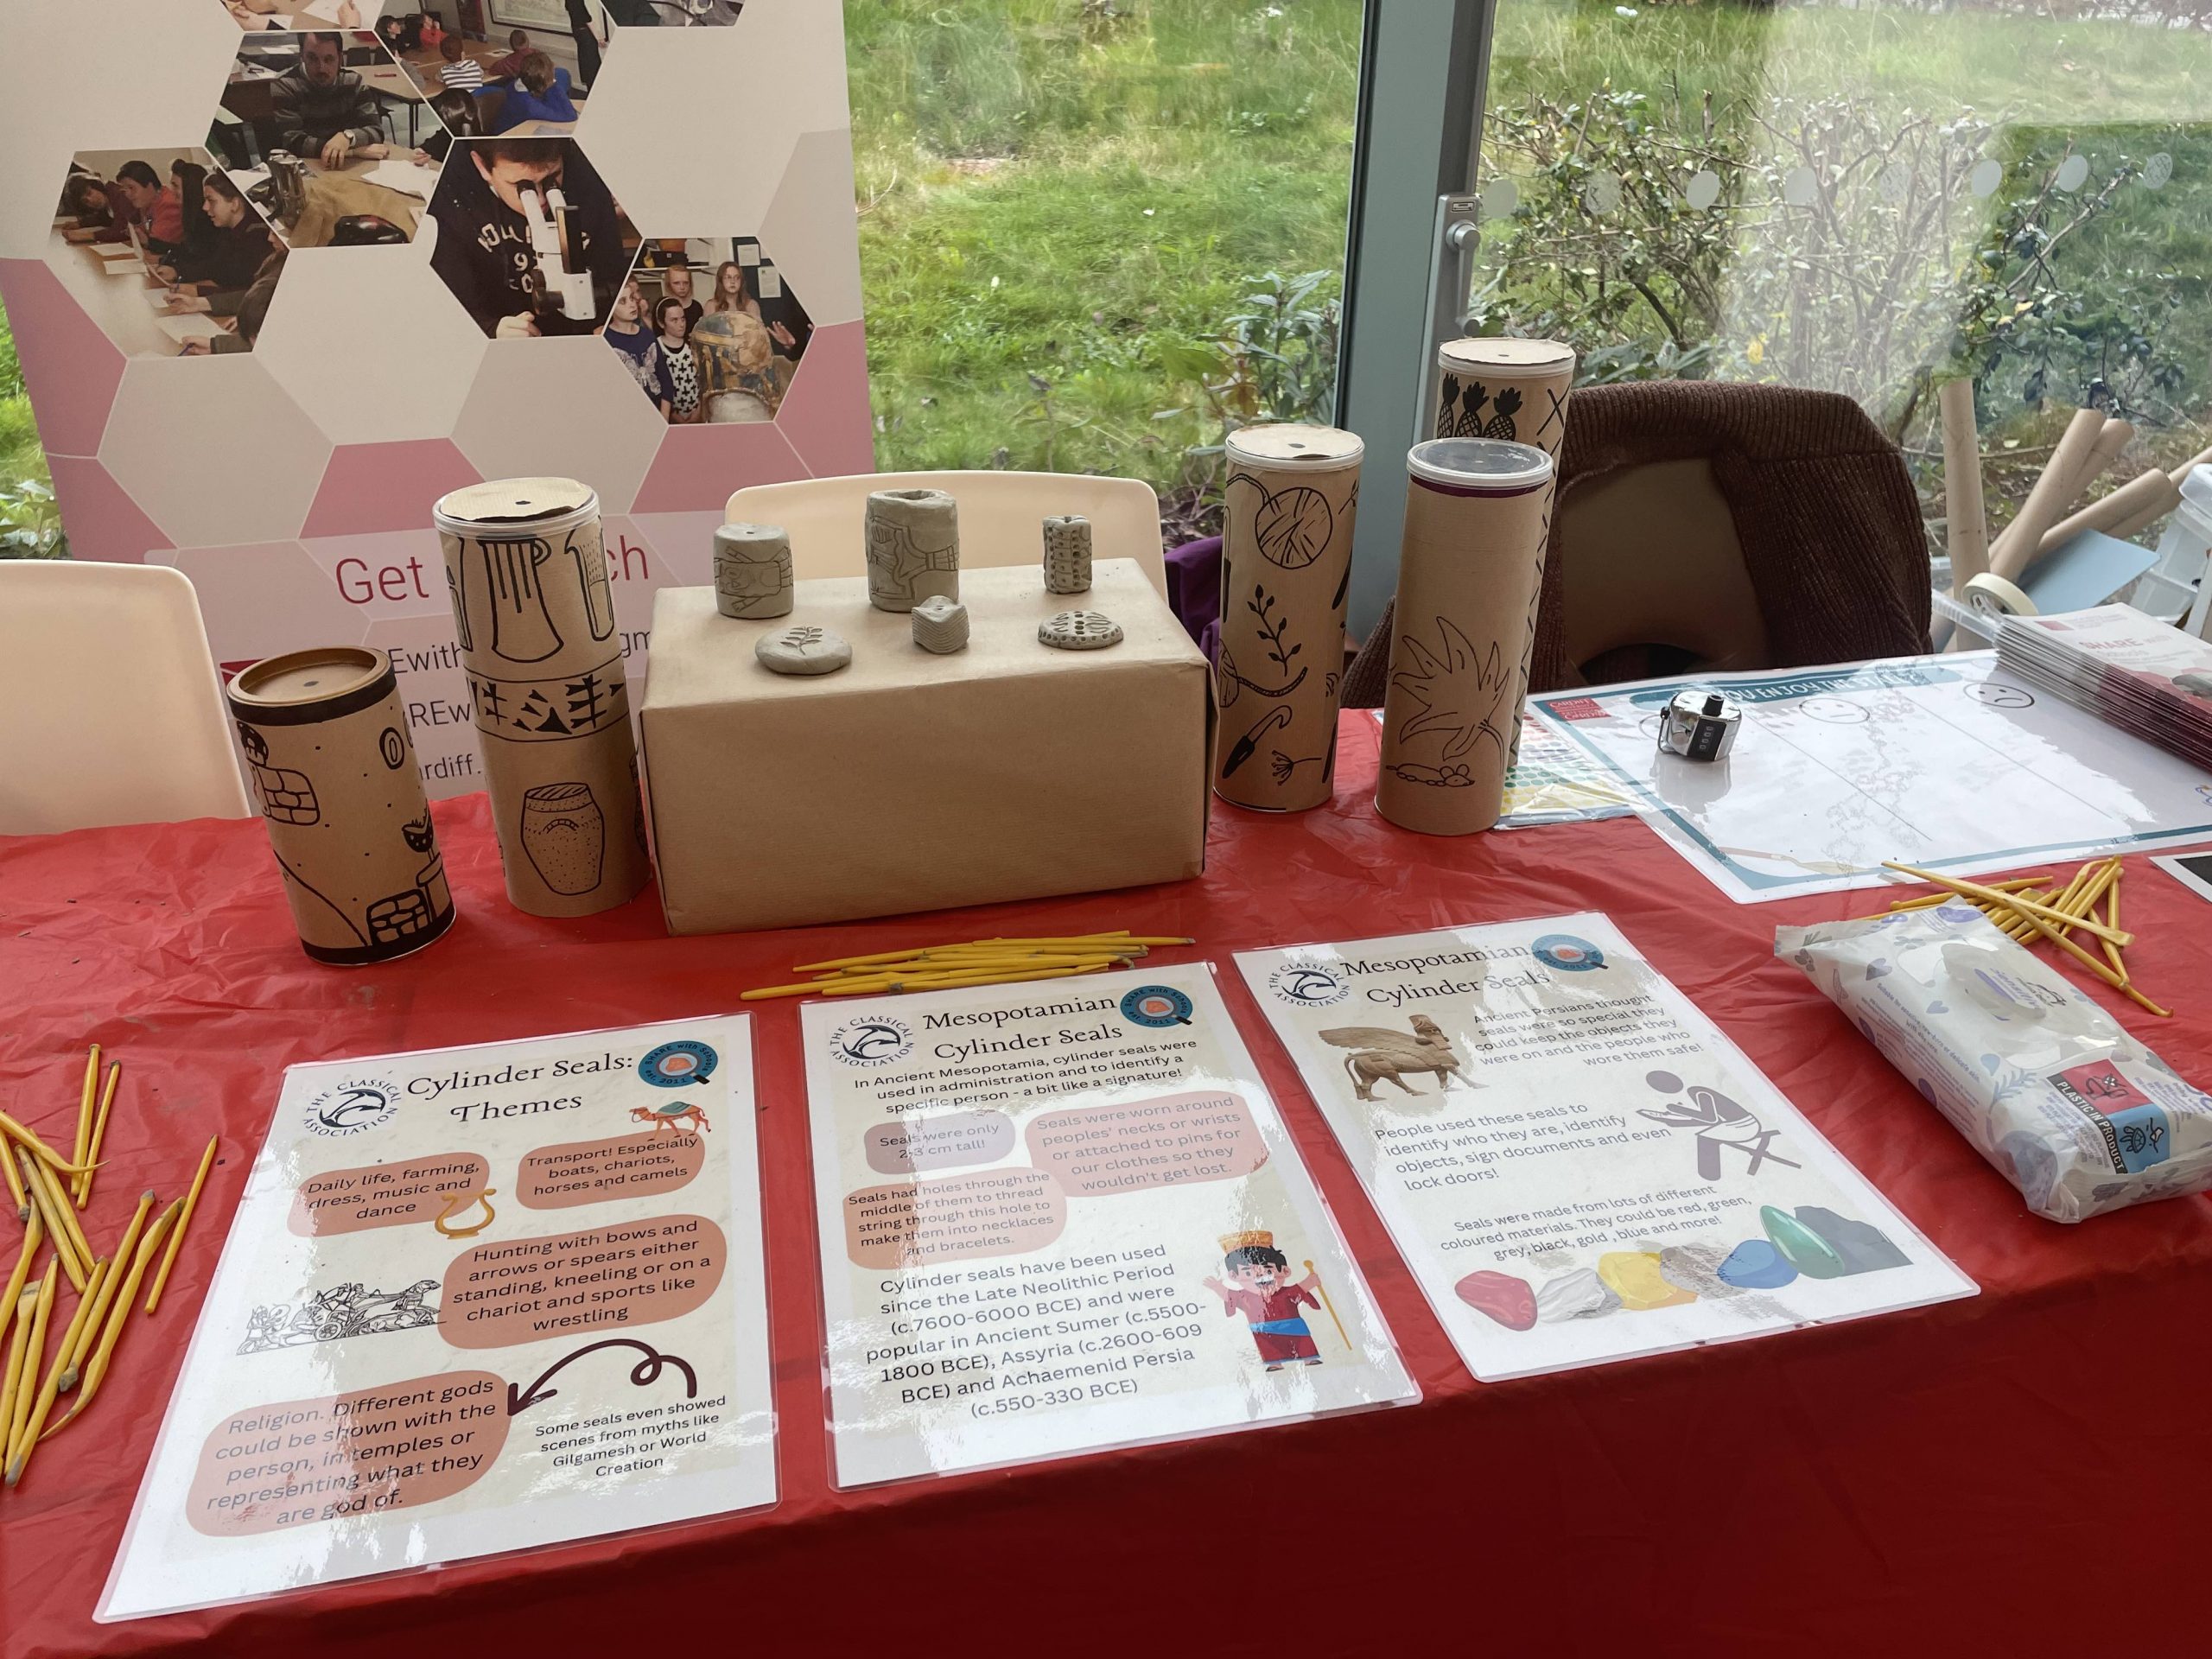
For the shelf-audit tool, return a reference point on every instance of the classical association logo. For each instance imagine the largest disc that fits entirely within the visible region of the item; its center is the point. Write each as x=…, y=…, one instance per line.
x=1157, y=1005
x=674, y=1064
x=1309, y=985
x=876, y=1041
x=351, y=1106
x=1567, y=954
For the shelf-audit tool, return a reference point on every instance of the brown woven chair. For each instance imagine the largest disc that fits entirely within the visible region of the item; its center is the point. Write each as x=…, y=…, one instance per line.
x=1708, y=527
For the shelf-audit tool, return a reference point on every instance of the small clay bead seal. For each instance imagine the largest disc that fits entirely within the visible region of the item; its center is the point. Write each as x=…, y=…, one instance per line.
x=752, y=571
x=802, y=650
x=940, y=625
x=1080, y=630
x=1067, y=555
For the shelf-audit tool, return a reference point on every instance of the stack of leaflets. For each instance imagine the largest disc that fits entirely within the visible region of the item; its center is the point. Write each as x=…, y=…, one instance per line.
x=2121, y=666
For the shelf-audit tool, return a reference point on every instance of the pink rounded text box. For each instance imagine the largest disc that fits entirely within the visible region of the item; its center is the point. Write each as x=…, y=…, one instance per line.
x=384, y=1195
x=600, y=1280
x=994, y=1212
x=593, y=1172
x=1206, y=1135
x=372, y=1451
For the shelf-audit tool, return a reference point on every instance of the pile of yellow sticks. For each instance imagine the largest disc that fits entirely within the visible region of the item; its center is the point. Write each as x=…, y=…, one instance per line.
x=51, y=1353
x=978, y=962
x=2033, y=908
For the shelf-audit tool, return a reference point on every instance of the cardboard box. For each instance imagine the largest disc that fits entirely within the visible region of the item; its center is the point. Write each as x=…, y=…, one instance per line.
x=909, y=781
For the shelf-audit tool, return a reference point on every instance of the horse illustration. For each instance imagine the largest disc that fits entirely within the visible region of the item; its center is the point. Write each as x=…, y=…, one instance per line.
x=674, y=1114
x=1380, y=1055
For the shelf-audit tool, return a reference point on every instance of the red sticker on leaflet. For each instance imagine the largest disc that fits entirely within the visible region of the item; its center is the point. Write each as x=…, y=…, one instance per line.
x=1575, y=709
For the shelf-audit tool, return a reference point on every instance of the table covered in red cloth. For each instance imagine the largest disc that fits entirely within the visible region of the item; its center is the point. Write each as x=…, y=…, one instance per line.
x=2020, y=1470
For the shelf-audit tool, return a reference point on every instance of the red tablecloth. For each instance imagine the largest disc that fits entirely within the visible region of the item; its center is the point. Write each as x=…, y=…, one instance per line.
x=2017, y=1471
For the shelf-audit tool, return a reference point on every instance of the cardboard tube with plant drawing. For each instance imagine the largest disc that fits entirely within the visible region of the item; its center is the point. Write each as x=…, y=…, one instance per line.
x=1469, y=569
x=333, y=773
x=1286, y=570
x=536, y=621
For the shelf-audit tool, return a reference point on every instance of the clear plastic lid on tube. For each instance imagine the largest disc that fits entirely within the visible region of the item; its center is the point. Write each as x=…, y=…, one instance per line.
x=1479, y=466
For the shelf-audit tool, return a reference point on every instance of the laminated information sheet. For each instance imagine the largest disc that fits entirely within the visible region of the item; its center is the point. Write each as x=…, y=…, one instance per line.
x=473, y=1299
x=1577, y=1165
x=1952, y=763
x=1063, y=1216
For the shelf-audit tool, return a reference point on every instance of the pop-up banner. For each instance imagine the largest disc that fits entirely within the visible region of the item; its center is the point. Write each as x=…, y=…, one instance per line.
x=281, y=275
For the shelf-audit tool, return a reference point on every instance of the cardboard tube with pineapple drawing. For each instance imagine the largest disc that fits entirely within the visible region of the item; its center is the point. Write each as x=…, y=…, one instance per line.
x=1469, y=569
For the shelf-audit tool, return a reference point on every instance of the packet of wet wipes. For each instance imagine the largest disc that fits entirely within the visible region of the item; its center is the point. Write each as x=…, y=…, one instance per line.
x=2080, y=1117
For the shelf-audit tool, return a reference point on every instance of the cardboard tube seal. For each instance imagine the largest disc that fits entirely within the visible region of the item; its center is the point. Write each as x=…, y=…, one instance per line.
x=1286, y=570
x=332, y=766
x=1469, y=571
x=536, y=621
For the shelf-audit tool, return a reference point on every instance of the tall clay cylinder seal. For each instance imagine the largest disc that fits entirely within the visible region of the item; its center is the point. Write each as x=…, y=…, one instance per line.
x=536, y=621
x=1285, y=567
x=913, y=548
x=334, y=771
x=1469, y=571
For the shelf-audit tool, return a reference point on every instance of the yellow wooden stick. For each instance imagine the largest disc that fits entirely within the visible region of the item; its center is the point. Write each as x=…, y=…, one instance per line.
x=58, y=1197
x=17, y=1318
x=85, y=1103
x=813, y=987
x=860, y=962
x=20, y=1454
x=91, y=1306
x=126, y=1249
x=29, y=1141
x=1114, y=939
x=964, y=964
x=950, y=982
x=33, y=1235
x=15, y=1184
x=64, y=1249
x=88, y=1381
x=2012, y=901
x=92, y=1155
x=1928, y=900
x=2050, y=932
x=34, y=1359
x=176, y=1236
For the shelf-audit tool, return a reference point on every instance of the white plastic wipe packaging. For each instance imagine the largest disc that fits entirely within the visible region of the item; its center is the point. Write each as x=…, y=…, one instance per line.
x=2078, y=1115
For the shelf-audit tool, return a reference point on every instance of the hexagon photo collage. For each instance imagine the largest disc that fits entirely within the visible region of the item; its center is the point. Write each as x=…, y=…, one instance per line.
x=415, y=278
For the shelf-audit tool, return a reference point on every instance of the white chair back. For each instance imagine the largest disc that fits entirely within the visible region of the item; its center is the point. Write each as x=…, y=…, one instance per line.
x=1002, y=517
x=117, y=713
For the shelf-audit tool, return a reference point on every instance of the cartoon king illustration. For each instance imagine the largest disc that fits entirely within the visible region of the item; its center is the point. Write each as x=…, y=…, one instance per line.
x=1260, y=1288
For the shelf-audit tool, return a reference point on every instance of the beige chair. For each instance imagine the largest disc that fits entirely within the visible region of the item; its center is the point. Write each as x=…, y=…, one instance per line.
x=118, y=715
x=1002, y=517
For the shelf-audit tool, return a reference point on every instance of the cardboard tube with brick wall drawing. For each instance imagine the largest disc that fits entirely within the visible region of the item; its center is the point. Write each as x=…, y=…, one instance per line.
x=333, y=773
x=1286, y=568
x=1468, y=571
x=536, y=621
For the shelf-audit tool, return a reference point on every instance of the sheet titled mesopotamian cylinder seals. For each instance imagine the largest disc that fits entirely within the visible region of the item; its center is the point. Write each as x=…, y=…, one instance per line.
x=1575, y=1162
x=1059, y=1218
x=473, y=1300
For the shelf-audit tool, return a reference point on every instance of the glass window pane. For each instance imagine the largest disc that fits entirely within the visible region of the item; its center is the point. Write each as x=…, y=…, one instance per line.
x=1097, y=234
x=1869, y=198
